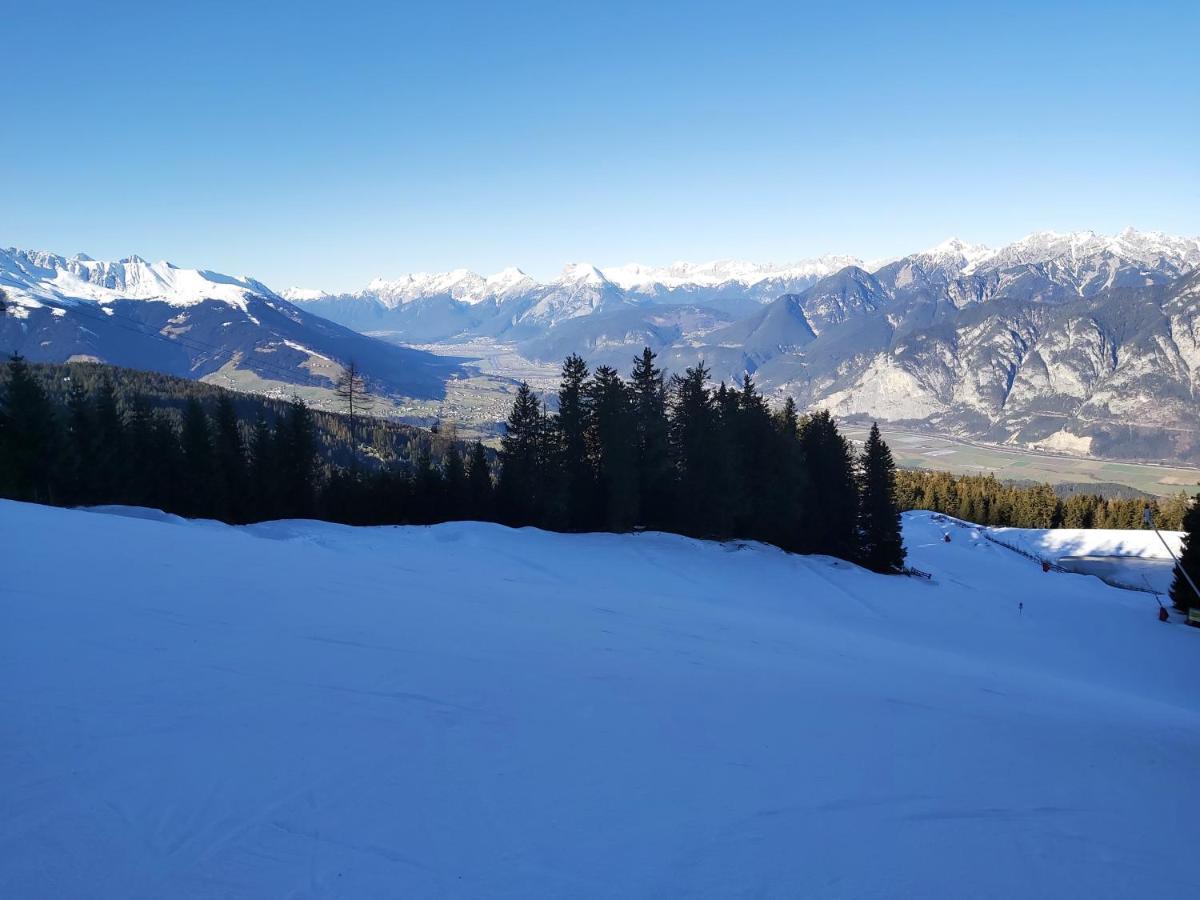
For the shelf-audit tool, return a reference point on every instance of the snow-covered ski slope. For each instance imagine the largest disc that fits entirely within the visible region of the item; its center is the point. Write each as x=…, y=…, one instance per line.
x=300, y=709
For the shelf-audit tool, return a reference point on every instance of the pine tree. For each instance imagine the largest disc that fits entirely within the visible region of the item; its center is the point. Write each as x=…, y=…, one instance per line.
x=199, y=464
x=611, y=424
x=296, y=451
x=139, y=444
x=1182, y=594
x=693, y=452
x=880, y=546
x=519, y=493
x=576, y=478
x=264, y=472
x=479, y=485
x=427, y=490
x=110, y=462
x=790, y=480
x=29, y=437
x=455, y=476
x=80, y=447
x=164, y=489
x=230, y=459
x=757, y=450
x=651, y=431
x=830, y=525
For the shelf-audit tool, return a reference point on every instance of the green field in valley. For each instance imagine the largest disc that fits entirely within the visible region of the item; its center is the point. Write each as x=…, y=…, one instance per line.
x=924, y=451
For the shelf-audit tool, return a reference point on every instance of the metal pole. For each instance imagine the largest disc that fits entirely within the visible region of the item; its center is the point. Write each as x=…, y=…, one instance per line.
x=1178, y=564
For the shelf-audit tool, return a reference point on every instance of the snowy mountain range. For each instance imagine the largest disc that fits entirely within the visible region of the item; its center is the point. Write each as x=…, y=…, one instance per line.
x=1080, y=342
x=189, y=322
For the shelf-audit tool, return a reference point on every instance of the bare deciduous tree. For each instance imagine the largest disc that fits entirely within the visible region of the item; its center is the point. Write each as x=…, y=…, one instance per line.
x=351, y=389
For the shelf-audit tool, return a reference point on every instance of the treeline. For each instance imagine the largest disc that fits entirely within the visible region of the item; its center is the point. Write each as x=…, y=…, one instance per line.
x=86, y=443
x=377, y=443
x=670, y=455
x=677, y=455
x=987, y=501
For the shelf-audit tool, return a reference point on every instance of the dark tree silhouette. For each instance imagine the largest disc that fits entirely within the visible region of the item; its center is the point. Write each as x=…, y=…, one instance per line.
x=1182, y=594
x=880, y=546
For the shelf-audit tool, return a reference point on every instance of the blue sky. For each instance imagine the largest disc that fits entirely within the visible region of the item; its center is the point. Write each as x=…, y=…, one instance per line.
x=324, y=144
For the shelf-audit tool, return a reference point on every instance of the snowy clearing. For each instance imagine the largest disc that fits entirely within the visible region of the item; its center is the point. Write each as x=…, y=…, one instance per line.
x=300, y=709
x=1138, y=560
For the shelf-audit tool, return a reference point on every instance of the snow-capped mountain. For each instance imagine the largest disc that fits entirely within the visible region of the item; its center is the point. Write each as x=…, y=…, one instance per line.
x=190, y=322
x=1075, y=341
x=31, y=277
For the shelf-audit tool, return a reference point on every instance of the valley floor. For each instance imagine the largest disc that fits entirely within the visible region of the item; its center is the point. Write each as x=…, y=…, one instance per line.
x=298, y=709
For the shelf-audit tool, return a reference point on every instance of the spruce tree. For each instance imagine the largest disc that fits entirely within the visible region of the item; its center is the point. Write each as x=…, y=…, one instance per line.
x=139, y=444
x=479, y=485
x=576, y=478
x=455, y=476
x=80, y=446
x=880, y=546
x=519, y=492
x=165, y=488
x=296, y=451
x=110, y=462
x=648, y=392
x=264, y=471
x=831, y=507
x=757, y=450
x=1182, y=594
x=427, y=490
x=694, y=454
x=230, y=459
x=199, y=464
x=29, y=437
x=609, y=436
x=790, y=480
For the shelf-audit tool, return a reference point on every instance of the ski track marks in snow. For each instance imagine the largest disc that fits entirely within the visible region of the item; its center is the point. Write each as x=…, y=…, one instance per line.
x=298, y=709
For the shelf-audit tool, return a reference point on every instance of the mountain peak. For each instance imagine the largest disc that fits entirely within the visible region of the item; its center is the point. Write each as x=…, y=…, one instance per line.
x=582, y=273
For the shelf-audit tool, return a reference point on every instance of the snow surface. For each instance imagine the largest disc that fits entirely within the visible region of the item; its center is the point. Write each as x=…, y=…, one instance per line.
x=298, y=709
x=1124, y=558
x=1054, y=543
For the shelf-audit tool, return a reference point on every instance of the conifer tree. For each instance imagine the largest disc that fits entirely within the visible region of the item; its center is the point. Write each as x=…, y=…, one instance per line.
x=651, y=432
x=479, y=485
x=164, y=489
x=427, y=490
x=351, y=390
x=140, y=446
x=575, y=475
x=519, y=491
x=79, y=446
x=694, y=453
x=296, y=452
x=199, y=464
x=29, y=437
x=230, y=458
x=1182, y=594
x=455, y=476
x=109, y=462
x=790, y=480
x=831, y=525
x=880, y=545
x=611, y=426
x=264, y=472
x=757, y=455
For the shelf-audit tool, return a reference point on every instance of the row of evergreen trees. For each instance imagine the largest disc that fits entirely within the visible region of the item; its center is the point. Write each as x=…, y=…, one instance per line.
x=677, y=455
x=671, y=455
x=987, y=501
x=92, y=446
